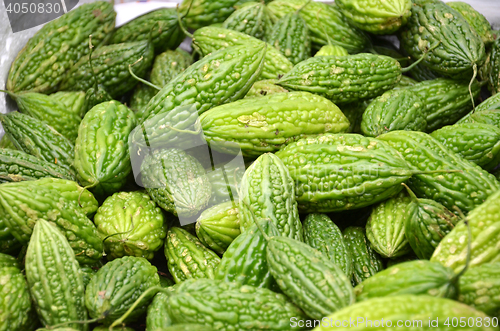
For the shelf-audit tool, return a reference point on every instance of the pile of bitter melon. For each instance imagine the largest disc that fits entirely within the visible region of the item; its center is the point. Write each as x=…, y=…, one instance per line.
x=360, y=187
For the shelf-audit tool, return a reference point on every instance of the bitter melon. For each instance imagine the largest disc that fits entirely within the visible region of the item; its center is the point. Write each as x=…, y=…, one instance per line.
x=385, y=228
x=218, y=226
x=414, y=277
x=130, y=224
x=266, y=124
x=344, y=79
x=476, y=142
x=42, y=64
x=38, y=139
x=325, y=236
x=54, y=278
x=102, y=157
x=211, y=39
x=452, y=46
x=168, y=65
x=462, y=183
x=251, y=18
x=365, y=260
x=399, y=109
x=187, y=257
x=227, y=306
x=267, y=191
x=308, y=277
x=245, y=259
x=426, y=224
x=110, y=66
x=335, y=172
x=161, y=25
x=452, y=250
x=117, y=285
x=16, y=166
x=379, y=17
x=476, y=20
x=439, y=314
x=176, y=181
x=290, y=36
x=61, y=202
x=324, y=22
x=480, y=287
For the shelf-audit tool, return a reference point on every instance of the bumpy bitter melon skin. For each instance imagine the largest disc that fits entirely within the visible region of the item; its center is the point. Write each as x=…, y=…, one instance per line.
x=480, y=287
x=290, y=36
x=161, y=25
x=453, y=47
x=168, y=65
x=42, y=64
x=476, y=20
x=55, y=278
x=476, y=142
x=407, y=308
x=206, y=12
x=141, y=95
x=176, y=181
x=16, y=309
x=322, y=234
x=58, y=201
x=187, y=257
x=491, y=116
x=385, y=228
x=421, y=73
x=16, y=166
x=265, y=87
x=426, y=223
x=266, y=124
x=48, y=110
x=240, y=67
x=94, y=96
x=492, y=103
x=344, y=79
x=445, y=100
x=365, y=260
x=245, y=260
x=252, y=18
x=325, y=171
x=229, y=306
x=334, y=25
x=117, y=285
x=331, y=50
x=419, y=277
x=6, y=143
x=131, y=224
x=494, y=72
x=379, y=17
x=308, y=277
x=485, y=230
x=211, y=39
x=222, y=185
x=157, y=316
x=38, y=139
x=73, y=101
x=394, y=110
x=186, y=327
x=102, y=157
x=267, y=191
x=218, y=226
x=467, y=187
x=110, y=65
